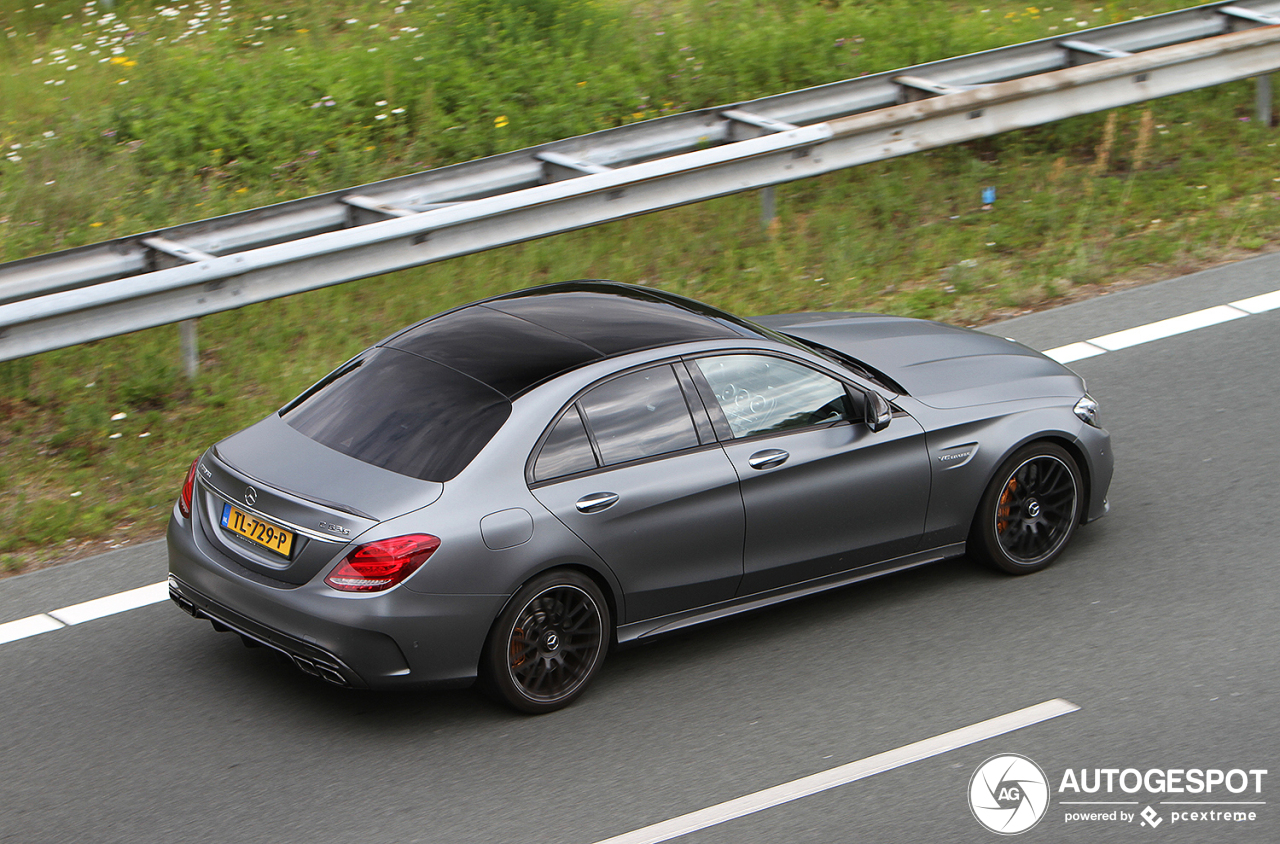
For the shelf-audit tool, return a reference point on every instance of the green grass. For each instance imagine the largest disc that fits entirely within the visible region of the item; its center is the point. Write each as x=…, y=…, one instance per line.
x=172, y=121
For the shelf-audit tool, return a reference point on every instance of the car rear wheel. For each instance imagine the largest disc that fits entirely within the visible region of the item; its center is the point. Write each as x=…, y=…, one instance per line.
x=1029, y=511
x=548, y=643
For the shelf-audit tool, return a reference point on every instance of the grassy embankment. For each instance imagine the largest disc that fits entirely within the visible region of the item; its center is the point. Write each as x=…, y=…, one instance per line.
x=115, y=122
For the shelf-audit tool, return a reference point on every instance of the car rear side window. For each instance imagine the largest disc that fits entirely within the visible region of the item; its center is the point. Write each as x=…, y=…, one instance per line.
x=567, y=449
x=401, y=412
x=638, y=415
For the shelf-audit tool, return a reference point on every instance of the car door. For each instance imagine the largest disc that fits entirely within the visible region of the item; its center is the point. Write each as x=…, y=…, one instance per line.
x=823, y=492
x=640, y=479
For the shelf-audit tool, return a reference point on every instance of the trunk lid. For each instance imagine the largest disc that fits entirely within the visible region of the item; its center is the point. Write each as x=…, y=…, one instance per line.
x=276, y=478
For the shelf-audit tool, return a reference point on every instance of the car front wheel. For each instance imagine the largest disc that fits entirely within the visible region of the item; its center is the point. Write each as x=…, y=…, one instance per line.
x=1029, y=511
x=548, y=642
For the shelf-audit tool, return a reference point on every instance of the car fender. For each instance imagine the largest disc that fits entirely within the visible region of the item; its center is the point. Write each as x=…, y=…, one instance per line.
x=965, y=454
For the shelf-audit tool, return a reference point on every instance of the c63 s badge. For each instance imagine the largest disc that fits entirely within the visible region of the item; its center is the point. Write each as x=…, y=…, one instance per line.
x=332, y=528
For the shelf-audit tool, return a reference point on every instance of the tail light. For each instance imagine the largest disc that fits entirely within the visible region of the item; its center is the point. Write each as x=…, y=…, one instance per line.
x=188, y=490
x=382, y=564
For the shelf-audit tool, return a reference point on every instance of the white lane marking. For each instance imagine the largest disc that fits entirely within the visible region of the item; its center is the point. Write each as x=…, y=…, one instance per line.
x=110, y=605
x=1075, y=351
x=1258, y=304
x=1168, y=327
x=1165, y=328
x=32, y=625
x=156, y=592
x=826, y=780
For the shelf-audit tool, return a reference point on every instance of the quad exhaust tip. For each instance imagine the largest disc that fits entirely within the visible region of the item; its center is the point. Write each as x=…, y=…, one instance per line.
x=314, y=668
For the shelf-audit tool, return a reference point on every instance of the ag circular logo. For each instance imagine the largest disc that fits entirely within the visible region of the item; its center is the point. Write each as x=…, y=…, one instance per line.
x=1008, y=794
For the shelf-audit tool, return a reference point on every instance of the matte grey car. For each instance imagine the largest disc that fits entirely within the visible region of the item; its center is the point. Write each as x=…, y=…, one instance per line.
x=506, y=490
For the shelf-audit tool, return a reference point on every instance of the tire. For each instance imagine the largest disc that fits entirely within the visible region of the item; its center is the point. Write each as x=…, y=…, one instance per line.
x=1030, y=511
x=548, y=642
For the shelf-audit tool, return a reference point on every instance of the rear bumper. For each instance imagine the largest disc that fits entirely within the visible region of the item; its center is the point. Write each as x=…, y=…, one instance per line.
x=395, y=639
x=308, y=658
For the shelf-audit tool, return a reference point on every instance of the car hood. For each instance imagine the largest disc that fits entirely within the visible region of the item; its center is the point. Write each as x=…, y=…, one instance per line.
x=940, y=365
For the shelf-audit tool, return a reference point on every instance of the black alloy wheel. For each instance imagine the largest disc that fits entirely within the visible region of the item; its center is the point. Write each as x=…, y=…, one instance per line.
x=1029, y=511
x=548, y=642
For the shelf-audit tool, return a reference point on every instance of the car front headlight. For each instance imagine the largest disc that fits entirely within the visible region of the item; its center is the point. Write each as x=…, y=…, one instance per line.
x=1087, y=410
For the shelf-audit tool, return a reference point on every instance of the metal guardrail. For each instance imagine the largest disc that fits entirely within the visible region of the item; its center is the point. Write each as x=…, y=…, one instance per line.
x=187, y=271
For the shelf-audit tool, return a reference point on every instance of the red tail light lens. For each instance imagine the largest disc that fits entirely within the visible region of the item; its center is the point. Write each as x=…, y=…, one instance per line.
x=382, y=564
x=188, y=490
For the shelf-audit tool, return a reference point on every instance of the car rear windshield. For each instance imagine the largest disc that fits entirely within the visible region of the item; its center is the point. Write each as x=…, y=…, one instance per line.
x=401, y=412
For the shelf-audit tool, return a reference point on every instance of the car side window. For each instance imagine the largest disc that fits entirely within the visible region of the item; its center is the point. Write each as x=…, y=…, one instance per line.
x=761, y=394
x=640, y=414
x=567, y=449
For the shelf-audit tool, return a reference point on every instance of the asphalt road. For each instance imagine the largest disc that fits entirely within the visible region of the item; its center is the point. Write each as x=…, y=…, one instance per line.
x=1161, y=623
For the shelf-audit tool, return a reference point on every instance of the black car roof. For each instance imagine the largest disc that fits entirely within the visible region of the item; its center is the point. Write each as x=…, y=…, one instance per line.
x=515, y=341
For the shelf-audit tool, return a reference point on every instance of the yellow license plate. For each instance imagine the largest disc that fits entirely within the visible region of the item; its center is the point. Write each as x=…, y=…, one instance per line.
x=272, y=537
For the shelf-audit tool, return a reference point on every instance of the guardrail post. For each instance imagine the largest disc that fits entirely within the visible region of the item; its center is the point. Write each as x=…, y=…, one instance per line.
x=1264, y=99
x=190, y=347
x=767, y=206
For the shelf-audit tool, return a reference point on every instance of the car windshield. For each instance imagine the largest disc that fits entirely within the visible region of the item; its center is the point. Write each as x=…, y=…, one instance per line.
x=401, y=412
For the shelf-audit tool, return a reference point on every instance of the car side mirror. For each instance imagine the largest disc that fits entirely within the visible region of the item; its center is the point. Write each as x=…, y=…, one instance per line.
x=879, y=413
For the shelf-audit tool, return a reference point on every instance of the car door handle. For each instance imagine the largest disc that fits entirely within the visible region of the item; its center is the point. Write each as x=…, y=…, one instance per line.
x=596, y=501
x=768, y=458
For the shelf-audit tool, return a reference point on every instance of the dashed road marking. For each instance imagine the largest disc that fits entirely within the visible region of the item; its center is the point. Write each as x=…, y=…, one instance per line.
x=1165, y=328
x=110, y=605
x=80, y=613
x=32, y=625
x=835, y=777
